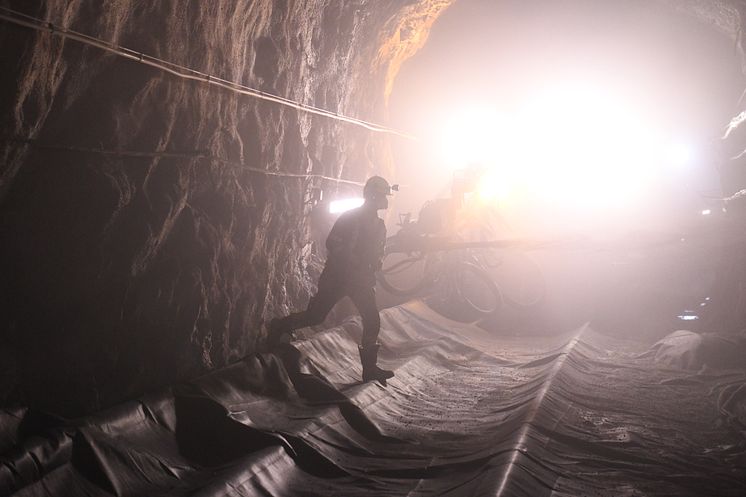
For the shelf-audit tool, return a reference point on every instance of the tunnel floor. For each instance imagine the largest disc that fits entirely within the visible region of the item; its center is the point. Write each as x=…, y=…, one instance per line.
x=468, y=414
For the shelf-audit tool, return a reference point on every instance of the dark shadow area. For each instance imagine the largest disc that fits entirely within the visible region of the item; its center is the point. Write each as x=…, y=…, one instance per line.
x=207, y=436
x=318, y=390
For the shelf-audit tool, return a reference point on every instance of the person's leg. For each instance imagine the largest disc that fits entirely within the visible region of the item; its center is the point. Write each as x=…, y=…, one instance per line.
x=328, y=294
x=365, y=301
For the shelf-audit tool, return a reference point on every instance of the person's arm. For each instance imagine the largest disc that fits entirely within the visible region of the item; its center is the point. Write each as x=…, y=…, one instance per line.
x=335, y=239
x=341, y=240
x=380, y=249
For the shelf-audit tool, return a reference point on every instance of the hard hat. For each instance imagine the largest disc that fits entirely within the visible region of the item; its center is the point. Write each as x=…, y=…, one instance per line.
x=376, y=186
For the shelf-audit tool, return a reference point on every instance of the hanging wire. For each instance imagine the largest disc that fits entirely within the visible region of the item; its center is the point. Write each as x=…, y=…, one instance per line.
x=28, y=21
x=735, y=196
x=196, y=154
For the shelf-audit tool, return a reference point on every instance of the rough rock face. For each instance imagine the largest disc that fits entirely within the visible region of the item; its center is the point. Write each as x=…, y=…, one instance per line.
x=141, y=240
x=139, y=246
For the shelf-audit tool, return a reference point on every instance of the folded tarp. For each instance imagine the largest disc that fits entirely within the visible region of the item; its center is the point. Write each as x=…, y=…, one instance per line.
x=466, y=414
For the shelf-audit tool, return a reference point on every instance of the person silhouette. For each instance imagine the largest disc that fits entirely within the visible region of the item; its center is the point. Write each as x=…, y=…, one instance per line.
x=355, y=249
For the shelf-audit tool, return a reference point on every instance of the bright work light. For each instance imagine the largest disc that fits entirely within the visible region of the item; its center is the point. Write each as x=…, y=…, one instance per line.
x=339, y=206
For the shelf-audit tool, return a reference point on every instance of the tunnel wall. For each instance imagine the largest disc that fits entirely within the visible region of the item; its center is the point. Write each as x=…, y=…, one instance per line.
x=140, y=243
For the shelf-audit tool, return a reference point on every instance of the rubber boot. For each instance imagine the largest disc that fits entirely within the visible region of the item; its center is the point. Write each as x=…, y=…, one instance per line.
x=369, y=358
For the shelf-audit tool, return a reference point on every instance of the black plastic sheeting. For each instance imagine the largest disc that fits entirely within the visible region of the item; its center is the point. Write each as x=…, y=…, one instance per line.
x=467, y=414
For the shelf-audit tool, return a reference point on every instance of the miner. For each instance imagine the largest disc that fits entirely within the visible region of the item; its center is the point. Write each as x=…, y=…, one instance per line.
x=355, y=249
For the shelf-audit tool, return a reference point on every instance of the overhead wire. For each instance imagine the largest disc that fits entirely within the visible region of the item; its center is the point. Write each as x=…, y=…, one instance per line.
x=25, y=20
x=735, y=196
x=196, y=154
x=21, y=19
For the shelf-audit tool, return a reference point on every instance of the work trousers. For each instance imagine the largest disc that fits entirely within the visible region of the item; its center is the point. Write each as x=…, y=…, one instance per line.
x=331, y=290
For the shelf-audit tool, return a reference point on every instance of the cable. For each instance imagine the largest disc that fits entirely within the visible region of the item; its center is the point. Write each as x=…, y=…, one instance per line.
x=735, y=196
x=196, y=154
x=28, y=21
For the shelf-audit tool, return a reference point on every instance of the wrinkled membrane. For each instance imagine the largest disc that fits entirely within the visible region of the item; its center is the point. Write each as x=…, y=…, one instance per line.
x=468, y=413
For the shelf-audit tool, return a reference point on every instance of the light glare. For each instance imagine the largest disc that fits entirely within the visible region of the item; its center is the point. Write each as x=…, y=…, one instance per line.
x=688, y=317
x=573, y=145
x=474, y=135
x=339, y=206
x=679, y=155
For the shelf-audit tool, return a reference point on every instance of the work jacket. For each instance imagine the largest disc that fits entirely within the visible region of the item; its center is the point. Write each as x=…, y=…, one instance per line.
x=355, y=247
